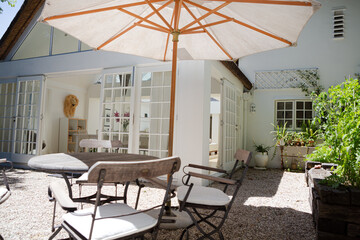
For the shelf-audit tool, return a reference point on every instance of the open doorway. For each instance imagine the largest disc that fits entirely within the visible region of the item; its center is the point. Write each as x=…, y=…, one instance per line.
x=214, y=138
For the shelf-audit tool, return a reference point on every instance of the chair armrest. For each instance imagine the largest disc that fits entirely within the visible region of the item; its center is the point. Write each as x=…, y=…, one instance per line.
x=212, y=178
x=207, y=168
x=3, y=160
x=62, y=197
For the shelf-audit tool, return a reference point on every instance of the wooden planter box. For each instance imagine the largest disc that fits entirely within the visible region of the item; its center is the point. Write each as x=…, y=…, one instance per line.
x=336, y=212
x=292, y=157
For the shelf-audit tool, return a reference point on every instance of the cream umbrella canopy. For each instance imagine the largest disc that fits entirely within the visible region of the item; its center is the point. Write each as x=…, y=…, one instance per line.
x=185, y=29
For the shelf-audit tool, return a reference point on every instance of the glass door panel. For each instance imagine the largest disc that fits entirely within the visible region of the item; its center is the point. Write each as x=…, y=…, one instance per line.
x=26, y=131
x=154, y=113
x=116, y=119
x=229, y=119
x=7, y=112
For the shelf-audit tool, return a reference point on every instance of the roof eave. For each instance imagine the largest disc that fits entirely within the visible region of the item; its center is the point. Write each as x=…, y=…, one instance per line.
x=18, y=25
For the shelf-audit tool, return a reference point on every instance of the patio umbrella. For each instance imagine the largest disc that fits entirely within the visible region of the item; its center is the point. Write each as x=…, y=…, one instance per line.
x=185, y=29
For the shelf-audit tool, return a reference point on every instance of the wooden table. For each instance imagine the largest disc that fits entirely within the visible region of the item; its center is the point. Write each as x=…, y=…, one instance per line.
x=63, y=163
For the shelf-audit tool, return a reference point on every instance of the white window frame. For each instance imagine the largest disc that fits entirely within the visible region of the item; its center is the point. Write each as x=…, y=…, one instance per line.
x=294, y=110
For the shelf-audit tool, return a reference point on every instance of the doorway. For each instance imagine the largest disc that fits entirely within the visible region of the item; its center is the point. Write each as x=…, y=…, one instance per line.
x=215, y=111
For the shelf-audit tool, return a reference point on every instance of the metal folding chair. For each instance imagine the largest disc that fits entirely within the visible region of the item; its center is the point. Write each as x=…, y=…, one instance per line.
x=5, y=191
x=118, y=220
x=205, y=204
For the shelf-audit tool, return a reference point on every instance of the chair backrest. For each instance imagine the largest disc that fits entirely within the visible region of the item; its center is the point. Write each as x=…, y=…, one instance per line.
x=244, y=156
x=132, y=170
x=5, y=191
x=95, y=143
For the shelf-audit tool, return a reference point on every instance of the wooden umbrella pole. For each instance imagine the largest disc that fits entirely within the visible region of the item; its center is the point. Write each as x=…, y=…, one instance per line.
x=175, y=40
x=172, y=96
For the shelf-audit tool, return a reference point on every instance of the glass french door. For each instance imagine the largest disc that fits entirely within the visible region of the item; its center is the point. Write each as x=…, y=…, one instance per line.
x=154, y=113
x=7, y=113
x=135, y=110
x=116, y=109
x=230, y=125
x=20, y=111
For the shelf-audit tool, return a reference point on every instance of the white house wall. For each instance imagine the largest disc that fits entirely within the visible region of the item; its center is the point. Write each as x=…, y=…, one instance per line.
x=335, y=60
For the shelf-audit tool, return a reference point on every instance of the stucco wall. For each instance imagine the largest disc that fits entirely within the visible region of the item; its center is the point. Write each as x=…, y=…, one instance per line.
x=316, y=47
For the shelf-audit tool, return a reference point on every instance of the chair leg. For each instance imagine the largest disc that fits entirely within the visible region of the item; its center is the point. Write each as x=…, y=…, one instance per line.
x=196, y=223
x=55, y=233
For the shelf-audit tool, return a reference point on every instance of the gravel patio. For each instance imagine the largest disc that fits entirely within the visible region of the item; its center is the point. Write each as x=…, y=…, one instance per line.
x=271, y=204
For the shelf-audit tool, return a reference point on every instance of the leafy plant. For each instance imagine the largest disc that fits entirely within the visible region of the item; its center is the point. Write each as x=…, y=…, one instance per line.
x=280, y=133
x=261, y=148
x=338, y=116
x=311, y=85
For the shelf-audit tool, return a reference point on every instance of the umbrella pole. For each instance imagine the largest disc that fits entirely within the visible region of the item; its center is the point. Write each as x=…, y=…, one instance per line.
x=172, y=96
x=172, y=106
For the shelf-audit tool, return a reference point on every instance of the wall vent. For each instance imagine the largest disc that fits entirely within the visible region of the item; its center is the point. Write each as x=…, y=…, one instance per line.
x=338, y=24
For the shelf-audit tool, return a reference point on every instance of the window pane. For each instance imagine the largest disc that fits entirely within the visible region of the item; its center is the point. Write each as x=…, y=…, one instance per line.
x=289, y=124
x=299, y=105
x=36, y=44
x=308, y=105
x=280, y=114
x=308, y=114
x=64, y=43
x=288, y=114
x=146, y=79
x=288, y=105
x=280, y=105
x=299, y=114
x=299, y=123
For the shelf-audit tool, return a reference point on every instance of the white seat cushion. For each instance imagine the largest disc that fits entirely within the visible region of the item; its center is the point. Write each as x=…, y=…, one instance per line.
x=203, y=195
x=83, y=178
x=4, y=194
x=109, y=228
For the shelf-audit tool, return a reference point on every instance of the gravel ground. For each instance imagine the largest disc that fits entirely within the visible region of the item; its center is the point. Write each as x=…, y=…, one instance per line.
x=271, y=204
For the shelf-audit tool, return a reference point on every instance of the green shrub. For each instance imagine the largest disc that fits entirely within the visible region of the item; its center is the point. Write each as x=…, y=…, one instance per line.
x=338, y=116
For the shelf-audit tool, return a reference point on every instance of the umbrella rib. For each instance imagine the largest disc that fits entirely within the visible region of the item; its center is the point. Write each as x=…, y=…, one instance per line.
x=151, y=27
x=241, y=23
x=205, y=16
x=143, y=19
x=263, y=32
x=207, y=32
x=131, y=27
x=208, y=25
x=168, y=36
x=289, y=3
x=177, y=16
x=195, y=32
x=158, y=13
x=99, y=10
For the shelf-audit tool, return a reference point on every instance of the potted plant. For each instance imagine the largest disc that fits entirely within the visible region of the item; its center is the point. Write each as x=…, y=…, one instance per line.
x=261, y=157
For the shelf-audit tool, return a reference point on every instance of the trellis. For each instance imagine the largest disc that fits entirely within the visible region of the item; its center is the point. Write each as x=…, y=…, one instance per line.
x=294, y=78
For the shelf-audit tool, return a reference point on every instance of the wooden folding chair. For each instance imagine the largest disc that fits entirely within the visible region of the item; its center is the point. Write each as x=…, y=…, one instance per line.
x=195, y=199
x=118, y=220
x=5, y=191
